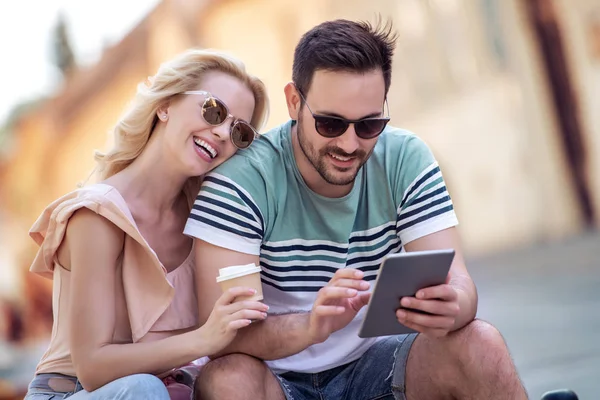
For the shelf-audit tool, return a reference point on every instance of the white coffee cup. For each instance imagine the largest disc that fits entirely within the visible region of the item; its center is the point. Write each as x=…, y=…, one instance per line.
x=241, y=276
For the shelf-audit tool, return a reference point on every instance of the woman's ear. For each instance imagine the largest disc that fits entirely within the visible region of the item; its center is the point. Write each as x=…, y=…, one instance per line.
x=163, y=112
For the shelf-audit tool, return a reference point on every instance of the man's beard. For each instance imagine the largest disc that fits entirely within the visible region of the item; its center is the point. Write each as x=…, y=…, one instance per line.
x=318, y=159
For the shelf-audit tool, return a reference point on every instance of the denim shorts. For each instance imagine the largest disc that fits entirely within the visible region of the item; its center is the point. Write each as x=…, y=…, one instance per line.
x=132, y=387
x=52, y=386
x=378, y=374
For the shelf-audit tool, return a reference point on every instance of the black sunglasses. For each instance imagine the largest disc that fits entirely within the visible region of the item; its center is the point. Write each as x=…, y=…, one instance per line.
x=215, y=113
x=331, y=127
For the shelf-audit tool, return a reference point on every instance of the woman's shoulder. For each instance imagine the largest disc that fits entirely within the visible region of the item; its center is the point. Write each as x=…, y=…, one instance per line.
x=90, y=238
x=100, y=198
x=93, y=210
x=87, y=224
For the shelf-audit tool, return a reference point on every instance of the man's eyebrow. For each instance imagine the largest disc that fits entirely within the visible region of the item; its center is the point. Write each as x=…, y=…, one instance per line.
x=332, y=114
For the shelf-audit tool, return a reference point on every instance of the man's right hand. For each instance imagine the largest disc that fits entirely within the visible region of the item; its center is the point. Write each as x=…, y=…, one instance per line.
x=337, y=304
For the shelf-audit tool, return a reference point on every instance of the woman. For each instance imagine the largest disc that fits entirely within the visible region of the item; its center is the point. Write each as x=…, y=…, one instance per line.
x=125, y=310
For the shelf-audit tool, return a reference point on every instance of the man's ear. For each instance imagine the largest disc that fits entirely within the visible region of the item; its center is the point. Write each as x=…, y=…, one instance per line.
x=293, y=100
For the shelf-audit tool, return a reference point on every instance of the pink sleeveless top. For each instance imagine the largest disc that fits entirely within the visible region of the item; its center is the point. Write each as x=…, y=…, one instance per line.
x=150, y=302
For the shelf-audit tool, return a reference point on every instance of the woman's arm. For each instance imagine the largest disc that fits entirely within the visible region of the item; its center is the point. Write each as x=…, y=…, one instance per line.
x=92, y=247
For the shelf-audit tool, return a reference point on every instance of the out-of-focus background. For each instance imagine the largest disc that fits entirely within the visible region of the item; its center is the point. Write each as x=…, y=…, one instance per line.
x=506, y=93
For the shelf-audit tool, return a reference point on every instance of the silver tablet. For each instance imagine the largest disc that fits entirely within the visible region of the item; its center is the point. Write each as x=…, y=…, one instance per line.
x=401, y=275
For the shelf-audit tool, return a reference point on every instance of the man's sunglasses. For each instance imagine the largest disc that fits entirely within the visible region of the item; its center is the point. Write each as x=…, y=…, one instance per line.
x=331, y=127
x=215, y=113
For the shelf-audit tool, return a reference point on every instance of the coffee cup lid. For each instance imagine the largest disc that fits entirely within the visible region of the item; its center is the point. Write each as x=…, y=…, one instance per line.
x=236, y=271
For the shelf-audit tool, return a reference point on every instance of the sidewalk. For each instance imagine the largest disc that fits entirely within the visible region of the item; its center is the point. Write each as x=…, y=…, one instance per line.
x=546, y=302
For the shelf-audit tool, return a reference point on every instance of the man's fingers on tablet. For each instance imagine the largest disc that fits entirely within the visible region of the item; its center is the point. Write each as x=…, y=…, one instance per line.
x=364, y=298
x=427, y=321
x=436, y=307
x=360, y=301
x=436, y=333
x=444, y=292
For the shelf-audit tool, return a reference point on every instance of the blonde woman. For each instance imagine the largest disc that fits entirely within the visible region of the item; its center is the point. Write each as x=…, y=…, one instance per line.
x=125, y=308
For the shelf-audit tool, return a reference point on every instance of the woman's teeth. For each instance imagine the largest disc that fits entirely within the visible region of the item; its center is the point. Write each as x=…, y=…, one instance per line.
x=206, y=147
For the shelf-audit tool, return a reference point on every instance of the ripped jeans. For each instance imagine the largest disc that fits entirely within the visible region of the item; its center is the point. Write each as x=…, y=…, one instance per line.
x=378, y=375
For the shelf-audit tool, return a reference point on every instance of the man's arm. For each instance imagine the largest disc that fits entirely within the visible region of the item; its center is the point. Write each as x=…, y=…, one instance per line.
x=460, y=293
x=276, y=337
x=427, y=221
x=280, y=336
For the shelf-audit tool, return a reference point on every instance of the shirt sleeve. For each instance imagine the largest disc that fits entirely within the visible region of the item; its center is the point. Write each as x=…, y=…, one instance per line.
x=425, y=206
x=227, y=211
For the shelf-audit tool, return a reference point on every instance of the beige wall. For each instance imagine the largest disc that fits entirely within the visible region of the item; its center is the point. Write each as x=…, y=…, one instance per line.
x=490, y=126
x=11, y=284
x=580, y=23
x=261, y=33
x=166, y=31
x=53, y=152
x=91, y=127
x=496, y=139
x=24, y=174
x=22, y=196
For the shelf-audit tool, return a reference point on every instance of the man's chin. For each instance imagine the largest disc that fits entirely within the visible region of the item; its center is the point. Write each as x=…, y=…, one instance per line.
x=341, y=178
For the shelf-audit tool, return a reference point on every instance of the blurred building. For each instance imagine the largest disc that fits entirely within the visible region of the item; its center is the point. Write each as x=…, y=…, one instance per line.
x=504, y=91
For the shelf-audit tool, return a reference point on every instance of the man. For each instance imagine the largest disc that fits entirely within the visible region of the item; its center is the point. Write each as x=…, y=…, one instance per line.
x=319, y=201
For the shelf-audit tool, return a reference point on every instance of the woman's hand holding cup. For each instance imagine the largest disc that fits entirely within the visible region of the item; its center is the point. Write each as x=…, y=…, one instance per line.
x=228, y=316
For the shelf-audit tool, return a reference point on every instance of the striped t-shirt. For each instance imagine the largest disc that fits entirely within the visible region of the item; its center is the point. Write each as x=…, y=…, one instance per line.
x=257, y=203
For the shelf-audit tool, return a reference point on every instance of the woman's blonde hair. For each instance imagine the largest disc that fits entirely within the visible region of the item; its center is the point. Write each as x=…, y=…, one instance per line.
x=183, y=73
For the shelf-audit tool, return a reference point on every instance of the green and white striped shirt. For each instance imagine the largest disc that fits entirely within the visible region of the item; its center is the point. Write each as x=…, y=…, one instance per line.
x=257, y=203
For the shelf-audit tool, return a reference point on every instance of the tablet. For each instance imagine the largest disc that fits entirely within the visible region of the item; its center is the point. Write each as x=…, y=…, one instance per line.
x=401, y=275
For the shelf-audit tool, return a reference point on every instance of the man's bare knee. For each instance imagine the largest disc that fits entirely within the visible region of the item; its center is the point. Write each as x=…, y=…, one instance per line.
x=214, y=381
x=480, y=344
x=251, y=377
x=472, y=361
x=483, y=356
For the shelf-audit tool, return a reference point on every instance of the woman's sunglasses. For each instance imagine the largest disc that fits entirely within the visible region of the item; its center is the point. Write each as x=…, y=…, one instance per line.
x=331, y=127
x=215, y=113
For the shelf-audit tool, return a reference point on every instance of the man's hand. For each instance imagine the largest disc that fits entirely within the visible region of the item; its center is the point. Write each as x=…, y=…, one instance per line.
x=437, y=308
x=455, y=301
x=337, y=304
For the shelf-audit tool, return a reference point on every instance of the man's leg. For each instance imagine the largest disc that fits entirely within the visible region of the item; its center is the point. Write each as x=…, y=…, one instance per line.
x=377, y=375
x=471, y=363
x=237, y=376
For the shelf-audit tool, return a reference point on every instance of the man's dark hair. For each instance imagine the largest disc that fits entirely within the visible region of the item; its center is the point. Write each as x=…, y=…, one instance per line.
x=343, y=45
